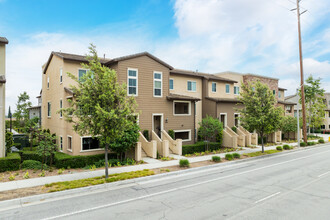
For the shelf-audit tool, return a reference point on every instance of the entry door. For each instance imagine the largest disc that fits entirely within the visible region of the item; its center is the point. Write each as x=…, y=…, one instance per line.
x=157, y=121
x=236, y=120
x=223, y=119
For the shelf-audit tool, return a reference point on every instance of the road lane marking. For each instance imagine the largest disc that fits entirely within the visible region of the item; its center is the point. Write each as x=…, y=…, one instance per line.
x=178, y=188
x=267, y=197
x=323, y=174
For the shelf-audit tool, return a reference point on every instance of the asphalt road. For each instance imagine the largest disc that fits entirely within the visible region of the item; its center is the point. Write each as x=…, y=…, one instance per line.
x=291, y=185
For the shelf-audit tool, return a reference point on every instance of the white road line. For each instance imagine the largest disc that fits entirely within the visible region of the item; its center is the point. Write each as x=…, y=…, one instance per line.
x=323, y=174
x=178, y=188
x=267, y=197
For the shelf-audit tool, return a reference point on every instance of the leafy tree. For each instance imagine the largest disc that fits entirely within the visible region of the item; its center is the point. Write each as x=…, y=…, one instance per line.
x=22, y=112
x=100, y=106
x=315, y=102
x=46, y=147
x=259, y=113
x=126, y=141
x=32, y=128
x=210, y=129
x=289, y=124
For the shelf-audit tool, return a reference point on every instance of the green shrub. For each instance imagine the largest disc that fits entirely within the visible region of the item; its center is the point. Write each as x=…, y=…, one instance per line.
x=216, y=159
x=236, y=155
x=171, y=133
x=31, y=164
x=146, y=134
x=11, y=162
x=9, y=141
x=199, y=147
x=286, y=147
x=184, y=163
x=303, y=144
x=234, y=129
x=30, y=155
x=321, y=141
x=279, y=148
x=229, y=156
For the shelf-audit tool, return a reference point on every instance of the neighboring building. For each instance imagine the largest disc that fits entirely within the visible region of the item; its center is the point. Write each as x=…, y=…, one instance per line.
x=35, y=111
x=3, y=42
x=326, y=123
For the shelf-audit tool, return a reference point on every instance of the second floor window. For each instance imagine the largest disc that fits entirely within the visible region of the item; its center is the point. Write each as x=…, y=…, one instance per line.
x=61, y=75
x=132, y=78
x=49, y=105
x=81, y=73
x=236, y=90
x=274, y=92
x=227, y=88
x=279, y=94
x=157, y=84
x=191, y=86
x=171, y=84
x=61, y=143
x=48, y=82
x=214, y=87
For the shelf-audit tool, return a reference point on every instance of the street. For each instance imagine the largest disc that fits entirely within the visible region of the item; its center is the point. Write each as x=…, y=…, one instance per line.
x=290, y=185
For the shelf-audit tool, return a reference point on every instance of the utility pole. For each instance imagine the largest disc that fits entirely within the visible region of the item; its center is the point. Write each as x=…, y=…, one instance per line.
x=298, y=126
x=301, y=74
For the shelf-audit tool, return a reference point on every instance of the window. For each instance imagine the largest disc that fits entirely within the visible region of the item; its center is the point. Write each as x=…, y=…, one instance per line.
x=329, y=114
x=69, y=143
x=214, y=87
x=158, y=84
x=185, y=135
x=132, y=78
x=61, y=76
x=181, y=108
x=81, y=73
x=322, y=126
x=49, y=105
x=48, y=82
x=274, y=92
x=227, y=88
x=329, y=126
x=89, y=143
x=61, y=106
x=61, y=143
x=295, y=114
x=191, y=86
x=171, y=84
x=288, y=108
x=279, y=94
x=236, y=90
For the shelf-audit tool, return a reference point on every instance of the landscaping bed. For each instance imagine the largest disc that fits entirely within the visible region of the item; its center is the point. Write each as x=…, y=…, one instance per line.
x=219, y=151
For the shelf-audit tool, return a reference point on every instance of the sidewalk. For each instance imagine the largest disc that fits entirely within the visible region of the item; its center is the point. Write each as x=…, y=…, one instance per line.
x=19, y=184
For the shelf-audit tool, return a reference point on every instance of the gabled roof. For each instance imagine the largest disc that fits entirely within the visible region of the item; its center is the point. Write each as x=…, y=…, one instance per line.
x=138, y=55
x=172, y=96
x=201, y=75
x=4, y=40
x=290, y=96
x=70, y=57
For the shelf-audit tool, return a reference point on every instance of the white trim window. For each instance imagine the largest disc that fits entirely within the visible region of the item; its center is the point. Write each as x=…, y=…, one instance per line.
x=132, y=82
x=48, y=82
x=61, y=75
x=171, y=84
x=61, y=143
x=236, y=90
x=214, y=87
x=181, y=108
x=279, y=94
x=61, y=106
x=49, y=109
x=191, y=86
x=69, y=143
x=81, y=73
x=158, y=84
x=227, y=88
x=185, y=135
x=89, y=144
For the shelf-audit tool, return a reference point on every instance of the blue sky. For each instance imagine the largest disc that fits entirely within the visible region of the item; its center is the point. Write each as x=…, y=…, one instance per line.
x=249, y=36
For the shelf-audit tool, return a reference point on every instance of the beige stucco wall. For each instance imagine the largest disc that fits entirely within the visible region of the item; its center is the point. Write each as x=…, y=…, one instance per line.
x=229, y=109
x=221, y=90
x=180, y=87
x=2, y=100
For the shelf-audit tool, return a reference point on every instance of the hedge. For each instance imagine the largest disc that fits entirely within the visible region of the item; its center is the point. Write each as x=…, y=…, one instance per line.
x=199, y=147
x=30, y=155
x=63, y=160
x=11, y=162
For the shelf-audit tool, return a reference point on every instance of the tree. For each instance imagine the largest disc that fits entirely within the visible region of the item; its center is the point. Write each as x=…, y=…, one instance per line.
x=22, y=112
x=47, y=145
x=100, y=105
x=10, y=117
x=124, y=143
x=315, y=102
x=289, y=124
x=259, y=113
x=31, y=127
x=210, y=129
x=9, y=141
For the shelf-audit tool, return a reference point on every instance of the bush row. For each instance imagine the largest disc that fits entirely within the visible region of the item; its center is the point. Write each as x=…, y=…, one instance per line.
x=200, y=147
x=11, y=162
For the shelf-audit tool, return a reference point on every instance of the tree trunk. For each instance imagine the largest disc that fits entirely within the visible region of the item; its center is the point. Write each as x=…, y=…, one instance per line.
x=262, y=142
x=106, y=161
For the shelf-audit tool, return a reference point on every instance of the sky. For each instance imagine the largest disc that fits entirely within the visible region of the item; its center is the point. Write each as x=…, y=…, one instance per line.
x=246, y=36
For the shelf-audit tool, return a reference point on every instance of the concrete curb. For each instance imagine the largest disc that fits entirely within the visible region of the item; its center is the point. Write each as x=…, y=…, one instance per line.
x=31, y=200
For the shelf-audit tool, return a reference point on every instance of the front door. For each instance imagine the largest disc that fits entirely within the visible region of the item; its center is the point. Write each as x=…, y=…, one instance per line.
x=223, y=119
x=157, y=122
